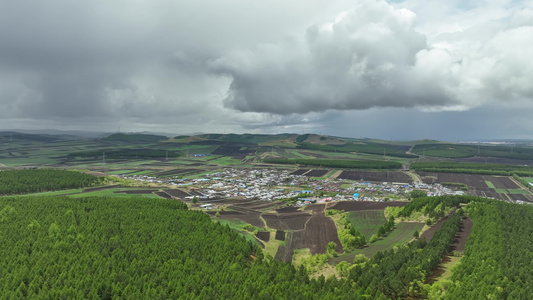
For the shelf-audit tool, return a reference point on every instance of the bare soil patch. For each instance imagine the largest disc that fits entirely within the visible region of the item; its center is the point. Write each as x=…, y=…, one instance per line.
x=462, y=235
x=438, y=271
x=476, y=184
x=248, y=204
x=263, y=235
x=287, y=221
x=287, y=209
x=178, y=172
x=135, y=192
x=518, y=197
x=364, y=205
x=502, y=182
x=280, y=235
x=299, y=172
x=285, y=252
x=264, y=205
x=163, y=195
x=318, y=232
x=177, y=193
x=384, y=176
x=429, y=233
x=195, y=192
x=316, y=173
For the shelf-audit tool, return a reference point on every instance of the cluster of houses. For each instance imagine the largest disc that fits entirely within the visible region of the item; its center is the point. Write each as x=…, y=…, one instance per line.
x=274, y=184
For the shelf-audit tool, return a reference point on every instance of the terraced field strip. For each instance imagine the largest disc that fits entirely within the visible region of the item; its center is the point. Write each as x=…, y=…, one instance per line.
x=490, y=184
x=273, y=244
x=518, y=191
x=367, y=221
x=335, y=174
x=120, y=172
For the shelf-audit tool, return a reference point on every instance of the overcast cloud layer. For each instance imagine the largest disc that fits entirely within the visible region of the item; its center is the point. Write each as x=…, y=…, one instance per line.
x=402, y=70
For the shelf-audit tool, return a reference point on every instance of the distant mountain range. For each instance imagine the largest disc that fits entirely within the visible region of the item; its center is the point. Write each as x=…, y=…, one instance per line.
x=54, y=135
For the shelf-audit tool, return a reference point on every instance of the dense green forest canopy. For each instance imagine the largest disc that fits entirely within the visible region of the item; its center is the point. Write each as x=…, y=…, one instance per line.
x=462, y=150
x=105, y=248
x=40, y=180
x=338, y=163
x=125, y=153
x=368, y=148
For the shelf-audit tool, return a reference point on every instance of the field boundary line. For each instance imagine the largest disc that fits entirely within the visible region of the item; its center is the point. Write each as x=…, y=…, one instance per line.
x=521, y=185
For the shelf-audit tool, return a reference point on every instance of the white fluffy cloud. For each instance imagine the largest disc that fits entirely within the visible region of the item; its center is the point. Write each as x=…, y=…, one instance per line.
x=372, y=56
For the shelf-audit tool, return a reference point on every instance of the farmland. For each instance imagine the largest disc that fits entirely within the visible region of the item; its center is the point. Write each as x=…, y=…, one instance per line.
x=279, y=208
x=367, y=221
x=498, y=187
x=385, y=176
x=402, y=234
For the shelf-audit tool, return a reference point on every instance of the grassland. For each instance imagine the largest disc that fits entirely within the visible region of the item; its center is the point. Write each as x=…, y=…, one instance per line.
x=271, y=248
x=403, y=233
x=238, y=226
x=490, y=184
x=367, y=221
x=444, y=270
x=518, y=191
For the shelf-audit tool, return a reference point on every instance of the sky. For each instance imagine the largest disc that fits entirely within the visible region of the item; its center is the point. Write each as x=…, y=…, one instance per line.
x=400, y=70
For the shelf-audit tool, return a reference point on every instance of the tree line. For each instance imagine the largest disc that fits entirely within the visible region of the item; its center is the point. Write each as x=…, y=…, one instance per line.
x=125, y=153
x=472, y=168
x=367, y=148
x=337, y=163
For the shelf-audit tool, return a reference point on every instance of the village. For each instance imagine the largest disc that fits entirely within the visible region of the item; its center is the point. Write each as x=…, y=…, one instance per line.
x=275, y=184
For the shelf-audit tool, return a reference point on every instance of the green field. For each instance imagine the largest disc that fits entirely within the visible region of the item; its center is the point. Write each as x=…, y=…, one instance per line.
x=528, y=179
x=518, y=191
x=367, y=221
x=238, y=226
x=120, y=172
x=77, y=193
x=225, y=160
x=403, y=233
x=57, y=193
x=110, y=193
x=490, y=184
x=297, y=154
x=141, y=172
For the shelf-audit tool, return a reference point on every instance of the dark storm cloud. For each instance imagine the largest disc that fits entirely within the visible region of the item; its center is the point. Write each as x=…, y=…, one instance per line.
x=127, y=59
x=366, y=58
x=372, y=56
x=250, y=65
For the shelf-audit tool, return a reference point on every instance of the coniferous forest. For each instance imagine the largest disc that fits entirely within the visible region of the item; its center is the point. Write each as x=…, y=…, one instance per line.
x=39, y=180
x=108, y=248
